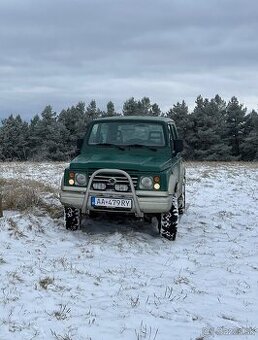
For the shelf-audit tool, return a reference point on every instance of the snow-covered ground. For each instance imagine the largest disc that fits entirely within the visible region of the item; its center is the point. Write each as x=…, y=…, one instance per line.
x=121, y=280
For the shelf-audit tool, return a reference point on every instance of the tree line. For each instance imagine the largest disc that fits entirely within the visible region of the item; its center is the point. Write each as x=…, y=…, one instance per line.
x=213, y=130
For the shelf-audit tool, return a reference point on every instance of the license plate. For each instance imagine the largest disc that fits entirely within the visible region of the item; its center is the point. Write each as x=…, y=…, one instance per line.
x=111, y=202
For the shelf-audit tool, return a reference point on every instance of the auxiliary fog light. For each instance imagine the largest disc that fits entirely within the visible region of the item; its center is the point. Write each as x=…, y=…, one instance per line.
x=121, y=187
x=99, y=186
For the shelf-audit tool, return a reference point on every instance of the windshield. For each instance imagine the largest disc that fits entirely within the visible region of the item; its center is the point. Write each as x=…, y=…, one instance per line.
x=127, y=133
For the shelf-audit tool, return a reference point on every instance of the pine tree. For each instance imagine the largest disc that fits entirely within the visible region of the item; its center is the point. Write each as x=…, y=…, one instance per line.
x=196, y=121
x=50, y=135
x=218, y=148
x=14, y=139
x=92, y=112
x=155, y=110
x=34, y=139
x=235, y=121
x=130, y=107
x=249, y=142
x=73, y=121
x=144, y=106
x=141, y=107
x=81, y=119
x=179, y=113
x=110, y=109
x=206, y=133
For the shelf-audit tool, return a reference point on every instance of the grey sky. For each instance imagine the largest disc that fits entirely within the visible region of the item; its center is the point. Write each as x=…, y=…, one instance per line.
x=60, y=52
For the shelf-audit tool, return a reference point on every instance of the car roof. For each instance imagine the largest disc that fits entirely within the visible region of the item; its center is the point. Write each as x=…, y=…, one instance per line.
x=136, y=118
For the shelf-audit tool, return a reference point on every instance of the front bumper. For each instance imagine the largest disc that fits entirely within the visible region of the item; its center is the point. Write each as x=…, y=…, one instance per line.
x=143, y=202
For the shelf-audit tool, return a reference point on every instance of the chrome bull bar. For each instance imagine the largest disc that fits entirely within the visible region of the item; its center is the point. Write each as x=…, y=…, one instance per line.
x=113, y=194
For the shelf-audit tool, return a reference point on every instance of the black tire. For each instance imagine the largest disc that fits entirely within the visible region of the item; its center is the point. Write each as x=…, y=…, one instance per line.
x=181, y=201
x=72, y=218
x=169, y=221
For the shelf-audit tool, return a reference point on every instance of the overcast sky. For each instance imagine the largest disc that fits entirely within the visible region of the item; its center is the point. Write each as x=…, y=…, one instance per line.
x=60, y=52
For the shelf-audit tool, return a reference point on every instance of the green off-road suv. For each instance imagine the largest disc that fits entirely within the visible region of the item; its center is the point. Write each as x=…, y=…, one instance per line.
x=128, y=165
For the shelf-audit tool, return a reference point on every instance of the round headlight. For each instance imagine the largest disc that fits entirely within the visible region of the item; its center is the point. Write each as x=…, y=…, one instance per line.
x=146, y=183
x=80, y=179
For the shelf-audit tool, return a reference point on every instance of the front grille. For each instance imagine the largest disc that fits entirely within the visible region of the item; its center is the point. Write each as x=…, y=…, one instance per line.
x=116, y=178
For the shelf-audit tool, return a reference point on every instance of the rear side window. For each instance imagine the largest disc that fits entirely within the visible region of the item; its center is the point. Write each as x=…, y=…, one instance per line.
x=175, y=135
x=172, y=134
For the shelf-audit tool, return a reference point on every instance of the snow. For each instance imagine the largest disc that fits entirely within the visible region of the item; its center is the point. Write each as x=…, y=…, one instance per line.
x=118, y=279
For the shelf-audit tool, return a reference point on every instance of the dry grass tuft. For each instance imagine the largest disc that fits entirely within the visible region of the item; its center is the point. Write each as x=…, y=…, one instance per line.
x=62, y=313
x=29, y=194
x=21, y=195
x=45, y=282
x=2, y=261
x=13, y=228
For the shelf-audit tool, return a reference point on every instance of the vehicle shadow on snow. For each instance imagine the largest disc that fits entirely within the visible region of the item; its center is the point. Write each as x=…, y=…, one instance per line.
x=111, y=224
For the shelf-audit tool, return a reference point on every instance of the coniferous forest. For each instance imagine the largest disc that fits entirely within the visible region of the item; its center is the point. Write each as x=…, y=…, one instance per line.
x=213, y=130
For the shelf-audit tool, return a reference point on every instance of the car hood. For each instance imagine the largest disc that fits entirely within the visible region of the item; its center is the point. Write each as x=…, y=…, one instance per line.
x=137, y=161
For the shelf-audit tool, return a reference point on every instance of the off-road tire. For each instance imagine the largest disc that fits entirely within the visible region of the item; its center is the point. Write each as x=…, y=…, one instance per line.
x=169, y=221
x=181, y=201
x=72, y=218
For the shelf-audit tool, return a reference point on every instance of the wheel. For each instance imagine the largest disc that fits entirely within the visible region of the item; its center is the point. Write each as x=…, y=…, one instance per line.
x=181, y=201
x=169, y=221
x=72, y=218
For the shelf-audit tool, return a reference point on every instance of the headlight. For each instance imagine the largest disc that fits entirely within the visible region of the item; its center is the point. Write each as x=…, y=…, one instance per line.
x=146, y=183
x=80, y=179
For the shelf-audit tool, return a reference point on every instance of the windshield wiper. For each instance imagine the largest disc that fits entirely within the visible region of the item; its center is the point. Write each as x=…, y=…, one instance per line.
x=110, y=144
x=142, y=146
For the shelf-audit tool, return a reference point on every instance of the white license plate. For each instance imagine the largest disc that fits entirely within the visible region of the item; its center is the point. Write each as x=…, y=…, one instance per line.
x=110, y=202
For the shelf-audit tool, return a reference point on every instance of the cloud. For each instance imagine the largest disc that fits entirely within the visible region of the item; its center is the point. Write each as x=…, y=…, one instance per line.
x=63, y=51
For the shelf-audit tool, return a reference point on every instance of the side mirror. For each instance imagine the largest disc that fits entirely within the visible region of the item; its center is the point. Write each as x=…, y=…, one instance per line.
x=79, y=146
x=178, y=145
